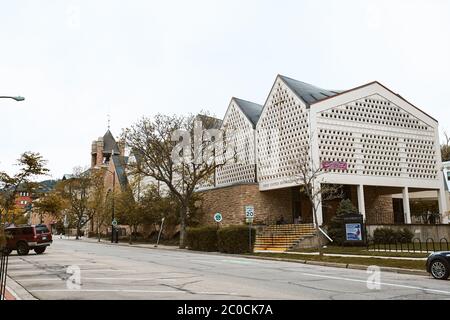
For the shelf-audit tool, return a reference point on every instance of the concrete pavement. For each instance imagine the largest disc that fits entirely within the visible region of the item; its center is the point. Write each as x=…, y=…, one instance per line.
x=120, y=272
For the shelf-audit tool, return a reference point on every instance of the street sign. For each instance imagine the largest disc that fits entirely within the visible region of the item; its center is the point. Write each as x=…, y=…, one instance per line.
x=249, y=211
x=114, y=223
x=218, y=217
x=249, y=214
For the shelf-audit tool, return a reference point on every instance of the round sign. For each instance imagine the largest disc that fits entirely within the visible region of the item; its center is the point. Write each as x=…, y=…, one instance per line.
x=114, y=223
x=218, y=217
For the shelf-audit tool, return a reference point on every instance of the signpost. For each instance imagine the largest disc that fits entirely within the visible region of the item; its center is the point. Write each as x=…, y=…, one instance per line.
x=114, y=231
x=249, y=216
x=160, y=231
x=66, y=225
x=218, y=217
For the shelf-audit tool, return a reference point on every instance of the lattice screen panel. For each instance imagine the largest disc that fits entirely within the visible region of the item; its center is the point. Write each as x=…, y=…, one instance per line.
x=244, y=141
x=282, y=135
x=377, y=138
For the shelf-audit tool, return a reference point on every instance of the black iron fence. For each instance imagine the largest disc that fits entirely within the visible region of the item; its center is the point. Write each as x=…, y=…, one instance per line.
x=409, y=245
x=4, y=256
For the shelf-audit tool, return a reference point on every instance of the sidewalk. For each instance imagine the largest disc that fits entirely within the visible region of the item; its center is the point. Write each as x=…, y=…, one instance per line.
x=122, y=244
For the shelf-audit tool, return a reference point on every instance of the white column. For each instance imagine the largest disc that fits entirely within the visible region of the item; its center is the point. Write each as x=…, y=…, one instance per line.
x=406, y=207
x=443, y=205
x=361, y=201
x=318, y=204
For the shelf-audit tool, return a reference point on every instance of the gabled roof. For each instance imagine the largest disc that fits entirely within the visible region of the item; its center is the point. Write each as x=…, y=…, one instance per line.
x=307, y=92
x=119, y=164
x=110, y=144
x=209, y=122
x=251, y=110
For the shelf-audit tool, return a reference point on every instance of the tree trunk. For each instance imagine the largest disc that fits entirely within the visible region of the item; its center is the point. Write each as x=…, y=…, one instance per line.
x=183, y=224
x=78, y=231
x=316, y=224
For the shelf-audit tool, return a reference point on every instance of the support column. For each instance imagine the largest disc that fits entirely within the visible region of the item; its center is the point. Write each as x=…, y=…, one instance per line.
x=361, y=201
x=443, y=205
x=406, y=207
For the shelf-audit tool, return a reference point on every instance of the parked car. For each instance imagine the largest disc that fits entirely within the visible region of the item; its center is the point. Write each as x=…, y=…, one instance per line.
x=438, y=264
x=28, y=237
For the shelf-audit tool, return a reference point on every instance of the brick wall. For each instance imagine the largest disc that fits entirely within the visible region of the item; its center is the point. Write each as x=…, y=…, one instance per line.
x=230, y=201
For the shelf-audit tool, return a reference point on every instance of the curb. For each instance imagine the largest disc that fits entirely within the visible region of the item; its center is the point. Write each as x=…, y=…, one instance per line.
x=17, y=291
x=341, y=265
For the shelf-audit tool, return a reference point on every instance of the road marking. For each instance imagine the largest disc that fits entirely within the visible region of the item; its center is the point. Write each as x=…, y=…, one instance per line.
x=377, y=283
x=109, y=290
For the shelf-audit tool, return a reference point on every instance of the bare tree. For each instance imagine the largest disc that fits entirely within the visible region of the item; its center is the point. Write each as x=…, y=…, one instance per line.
x=445, y=147
x=175, y=152
x=309, y=176
x=84, y=196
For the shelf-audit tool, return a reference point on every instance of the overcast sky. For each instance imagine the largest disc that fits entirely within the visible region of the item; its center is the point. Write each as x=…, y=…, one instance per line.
x=77, y=61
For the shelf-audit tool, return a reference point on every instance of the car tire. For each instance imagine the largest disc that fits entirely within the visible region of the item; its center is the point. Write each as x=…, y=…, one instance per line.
x=40, y=250
x=440, y=269
x=22, y=248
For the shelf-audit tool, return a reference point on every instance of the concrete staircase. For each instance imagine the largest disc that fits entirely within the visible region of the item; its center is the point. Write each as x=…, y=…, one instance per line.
x=281, y=238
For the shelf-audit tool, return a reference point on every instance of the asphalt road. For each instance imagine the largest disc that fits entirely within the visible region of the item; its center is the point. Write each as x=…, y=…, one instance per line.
x=118, y=272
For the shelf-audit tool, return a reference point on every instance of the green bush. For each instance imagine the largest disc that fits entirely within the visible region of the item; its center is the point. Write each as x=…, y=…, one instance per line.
x=202, y=239
x=405, y=235
x=235, y=239
x=387, y=235
x=336, y=227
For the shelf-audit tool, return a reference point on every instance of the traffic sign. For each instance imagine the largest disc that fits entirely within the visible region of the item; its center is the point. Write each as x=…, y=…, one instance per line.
x=218, y=217
x=249, y=211
x=114, y=223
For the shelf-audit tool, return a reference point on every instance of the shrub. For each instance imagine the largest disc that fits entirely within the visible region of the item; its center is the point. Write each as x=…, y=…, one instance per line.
x=405, y=235
x=386, y=235
x=235, y=239
x=336, y=227
x=202, y=239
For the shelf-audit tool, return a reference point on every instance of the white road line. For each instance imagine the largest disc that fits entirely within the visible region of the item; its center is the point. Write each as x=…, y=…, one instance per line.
x=109, y=290
x=40, y=279
x=96, y=279
x=378, y=283
x=25, y=272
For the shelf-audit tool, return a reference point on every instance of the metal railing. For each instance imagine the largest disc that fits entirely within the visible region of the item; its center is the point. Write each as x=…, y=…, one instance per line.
x=4, y=257
x=409, y=245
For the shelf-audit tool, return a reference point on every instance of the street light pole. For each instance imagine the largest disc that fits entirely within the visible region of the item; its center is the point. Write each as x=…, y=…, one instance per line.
x=14, y=98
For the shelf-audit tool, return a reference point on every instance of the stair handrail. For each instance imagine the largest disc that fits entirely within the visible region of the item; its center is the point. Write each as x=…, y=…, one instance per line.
x=325, y=234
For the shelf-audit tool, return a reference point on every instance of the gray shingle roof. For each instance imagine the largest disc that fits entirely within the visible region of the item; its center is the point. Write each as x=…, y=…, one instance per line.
x=119, y=163
x=307, y=92
x=251, y=110
x=109, y=143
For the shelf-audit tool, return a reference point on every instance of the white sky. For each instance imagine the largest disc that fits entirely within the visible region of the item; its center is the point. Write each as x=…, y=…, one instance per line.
x=77, y=61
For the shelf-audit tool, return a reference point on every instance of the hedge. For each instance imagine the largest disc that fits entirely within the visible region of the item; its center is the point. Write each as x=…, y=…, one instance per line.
x=235, y=239
x=202, y=239
x=386, y=235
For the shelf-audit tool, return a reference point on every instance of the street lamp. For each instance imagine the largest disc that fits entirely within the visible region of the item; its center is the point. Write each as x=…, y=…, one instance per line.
x=18, y=98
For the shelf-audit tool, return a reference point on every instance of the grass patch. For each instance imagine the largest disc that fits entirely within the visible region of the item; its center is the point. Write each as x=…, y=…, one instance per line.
x=363, y=251
x=392, y=263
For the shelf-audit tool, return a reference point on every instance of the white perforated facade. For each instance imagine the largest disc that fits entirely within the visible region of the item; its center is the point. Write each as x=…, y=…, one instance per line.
x=373, y=138
x=282, y=133
x=239, y=131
